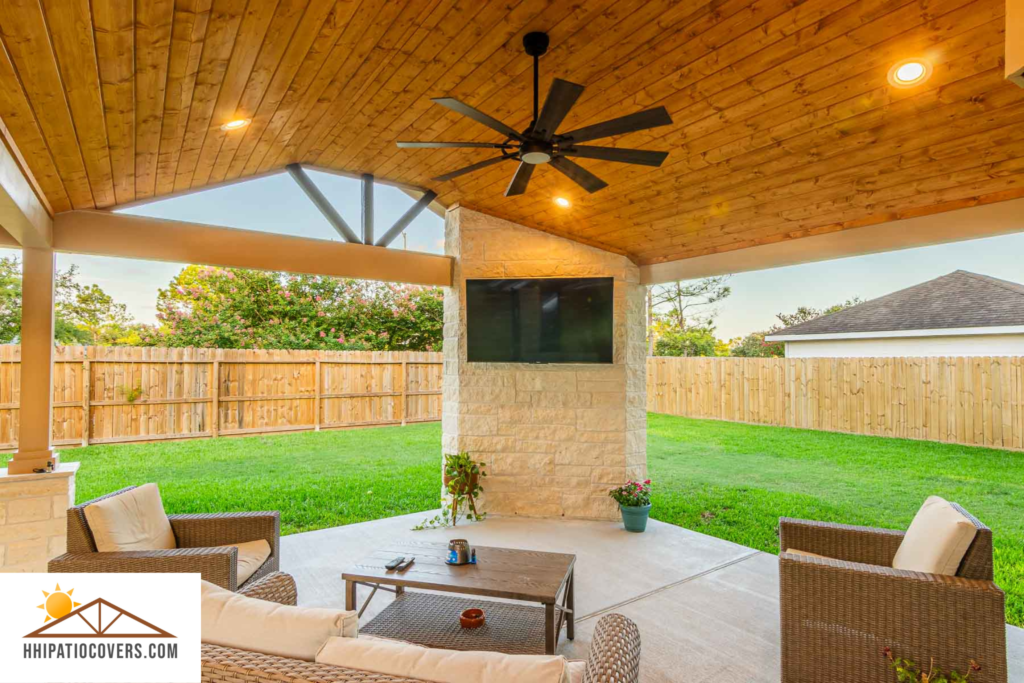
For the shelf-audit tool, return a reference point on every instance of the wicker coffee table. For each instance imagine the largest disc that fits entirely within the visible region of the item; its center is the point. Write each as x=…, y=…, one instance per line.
x=502, y=573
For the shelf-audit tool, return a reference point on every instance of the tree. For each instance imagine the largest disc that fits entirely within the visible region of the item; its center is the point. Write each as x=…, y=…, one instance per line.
x=695, y=341
x=90, y=309
x=690, y=303
x=10, y=299
x=80, y=312
x=754, y=344
x=683, y=305
x=806, y=313
x=238, y=308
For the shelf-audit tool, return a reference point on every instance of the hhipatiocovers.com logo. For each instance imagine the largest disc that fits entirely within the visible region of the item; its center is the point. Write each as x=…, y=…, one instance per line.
x=98, y=620
x=100, y=628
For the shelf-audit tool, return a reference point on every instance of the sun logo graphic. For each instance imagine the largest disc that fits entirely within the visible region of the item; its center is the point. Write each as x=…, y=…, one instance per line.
x=58, y=603
x=100, y=618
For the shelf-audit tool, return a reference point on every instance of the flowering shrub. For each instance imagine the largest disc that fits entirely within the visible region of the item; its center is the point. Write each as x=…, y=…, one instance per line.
x=633, y=494
x=233, y=308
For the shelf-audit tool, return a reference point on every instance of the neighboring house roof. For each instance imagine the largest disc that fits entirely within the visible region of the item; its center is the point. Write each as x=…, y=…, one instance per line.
x=958, y=300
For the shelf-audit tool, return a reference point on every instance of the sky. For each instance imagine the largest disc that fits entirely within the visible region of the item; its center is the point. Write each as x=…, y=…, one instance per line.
x=276, y=204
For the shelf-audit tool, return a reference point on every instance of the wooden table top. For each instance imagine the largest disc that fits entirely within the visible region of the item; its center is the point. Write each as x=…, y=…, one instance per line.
x=499, y=572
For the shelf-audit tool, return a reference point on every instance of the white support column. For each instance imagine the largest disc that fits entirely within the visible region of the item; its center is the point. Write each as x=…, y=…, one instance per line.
x=1015, y=41
x=36, y=408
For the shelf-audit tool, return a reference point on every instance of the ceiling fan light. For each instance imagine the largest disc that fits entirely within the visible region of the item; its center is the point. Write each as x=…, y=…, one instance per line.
x=535, y=152
x=563, y=202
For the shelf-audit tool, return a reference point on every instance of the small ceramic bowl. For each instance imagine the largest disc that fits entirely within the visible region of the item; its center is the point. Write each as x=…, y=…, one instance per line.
x=472, y=618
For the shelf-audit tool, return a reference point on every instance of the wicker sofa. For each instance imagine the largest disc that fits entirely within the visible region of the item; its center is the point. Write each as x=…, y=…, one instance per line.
x=197, y=539
x=614, y=652
x=838, y=615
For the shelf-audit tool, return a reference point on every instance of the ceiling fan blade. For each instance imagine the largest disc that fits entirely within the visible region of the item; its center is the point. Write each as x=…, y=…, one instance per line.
x=438, y=145
x=469, y=169
x=477, y=116
x=641, y=120
x=561, y=97
x=579, y=175
x=520, y=180
x=642, y=157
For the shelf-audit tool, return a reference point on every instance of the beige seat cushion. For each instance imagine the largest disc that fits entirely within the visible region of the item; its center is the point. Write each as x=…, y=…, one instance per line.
x=804, y=553
x=134, y=520
x=251, y=556
x=577, y=669
x=392, y=658
x=937, y=539
x=238, y=621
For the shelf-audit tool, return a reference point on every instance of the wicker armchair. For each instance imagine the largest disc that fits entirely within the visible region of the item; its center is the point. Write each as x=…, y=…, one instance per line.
x=197, y=537
x=838, y=614
x=614, y=652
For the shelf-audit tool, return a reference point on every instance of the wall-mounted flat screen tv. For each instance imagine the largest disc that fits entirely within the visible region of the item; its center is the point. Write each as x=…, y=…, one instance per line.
x=553, y=320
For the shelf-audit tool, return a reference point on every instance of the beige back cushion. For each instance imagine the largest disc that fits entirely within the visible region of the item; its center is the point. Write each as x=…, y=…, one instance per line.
x=134, y=520
x=245, y=623
x=937, y=539
x=405, y=660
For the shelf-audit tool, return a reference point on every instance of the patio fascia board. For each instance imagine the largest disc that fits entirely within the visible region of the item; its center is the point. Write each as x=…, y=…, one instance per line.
x=897, y=334
x=24, y=212
x=101, y=233
x=986, y=220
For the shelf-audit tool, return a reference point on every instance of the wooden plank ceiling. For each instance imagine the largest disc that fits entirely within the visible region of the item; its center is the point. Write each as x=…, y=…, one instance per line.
x=785, y=124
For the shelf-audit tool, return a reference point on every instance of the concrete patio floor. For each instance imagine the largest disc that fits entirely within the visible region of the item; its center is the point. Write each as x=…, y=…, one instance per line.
x=707, y=608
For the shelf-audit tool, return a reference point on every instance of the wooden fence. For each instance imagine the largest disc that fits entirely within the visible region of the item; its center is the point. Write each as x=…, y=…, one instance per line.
x=116, y=395
x=977, y=401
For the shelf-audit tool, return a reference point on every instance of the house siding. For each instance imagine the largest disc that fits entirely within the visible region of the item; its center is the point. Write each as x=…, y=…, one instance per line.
x=953, y=345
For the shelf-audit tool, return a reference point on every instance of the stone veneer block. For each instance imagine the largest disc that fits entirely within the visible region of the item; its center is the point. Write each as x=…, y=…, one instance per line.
x=555, y=438
x=33, y=517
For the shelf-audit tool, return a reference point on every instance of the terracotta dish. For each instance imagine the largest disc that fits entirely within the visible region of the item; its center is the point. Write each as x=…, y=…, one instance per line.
x=472, y=618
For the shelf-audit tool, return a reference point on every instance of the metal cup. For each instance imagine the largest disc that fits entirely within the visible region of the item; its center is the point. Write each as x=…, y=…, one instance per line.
x=458, y=551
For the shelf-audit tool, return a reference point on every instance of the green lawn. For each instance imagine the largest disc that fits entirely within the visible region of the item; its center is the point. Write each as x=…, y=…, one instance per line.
x=728, y=480
x=734, y=481
x=316, y=479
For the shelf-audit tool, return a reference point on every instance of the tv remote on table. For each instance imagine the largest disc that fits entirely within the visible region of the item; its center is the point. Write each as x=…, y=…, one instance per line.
x=393, y=564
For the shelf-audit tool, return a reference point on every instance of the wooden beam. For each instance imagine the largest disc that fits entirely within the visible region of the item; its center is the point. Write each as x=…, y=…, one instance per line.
x=367, y=206
x=976, y=222
x=402, y=223
x=1015, y=41
x=23, y=213
x=102, y=233
x=321, y=203
x=36, y=407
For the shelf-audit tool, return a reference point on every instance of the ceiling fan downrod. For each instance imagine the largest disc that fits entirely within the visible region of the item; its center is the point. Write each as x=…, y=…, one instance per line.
x=536, y=44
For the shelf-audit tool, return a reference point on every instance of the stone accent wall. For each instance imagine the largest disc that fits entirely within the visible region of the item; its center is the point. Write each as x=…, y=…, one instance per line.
x=33, y=517
x=555, y=438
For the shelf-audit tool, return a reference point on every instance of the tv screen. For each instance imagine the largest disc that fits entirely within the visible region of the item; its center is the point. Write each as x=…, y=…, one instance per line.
x=556, y=320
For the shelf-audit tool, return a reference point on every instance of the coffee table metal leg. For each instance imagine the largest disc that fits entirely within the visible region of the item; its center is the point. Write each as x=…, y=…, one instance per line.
x=550, y=631
x=350, y=595
x=570, y=624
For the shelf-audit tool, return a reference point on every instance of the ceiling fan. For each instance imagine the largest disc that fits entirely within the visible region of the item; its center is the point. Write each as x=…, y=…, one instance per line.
x=540, y=144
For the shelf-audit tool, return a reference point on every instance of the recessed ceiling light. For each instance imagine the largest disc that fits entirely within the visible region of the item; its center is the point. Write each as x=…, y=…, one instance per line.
x=909, y=72
x=236, y=124
x=563, y=202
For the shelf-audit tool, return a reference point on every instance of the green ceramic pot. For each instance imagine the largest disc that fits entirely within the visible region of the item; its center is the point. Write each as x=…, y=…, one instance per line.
x=635, y=518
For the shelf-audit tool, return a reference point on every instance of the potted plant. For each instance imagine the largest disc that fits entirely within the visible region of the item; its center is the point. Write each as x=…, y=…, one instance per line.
x=461, y=479
x=634, y=499
x=909, y=672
